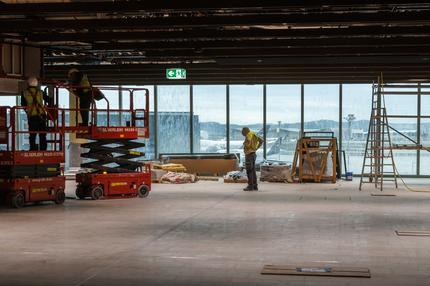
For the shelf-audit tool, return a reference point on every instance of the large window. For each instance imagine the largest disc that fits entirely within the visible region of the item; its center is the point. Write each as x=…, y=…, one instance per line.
x=283, y=121
x=173, y=119
x=246, y=109
x=321, y=108
x=11, y=100
x=425, y=132
x=138, y=93
x=356, y=108
x=283, y=118
x=209, y=119
x=399, y=105
x=109, y=115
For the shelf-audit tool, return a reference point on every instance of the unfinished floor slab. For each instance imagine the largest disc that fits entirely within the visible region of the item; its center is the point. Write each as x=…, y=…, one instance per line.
x=210, y=233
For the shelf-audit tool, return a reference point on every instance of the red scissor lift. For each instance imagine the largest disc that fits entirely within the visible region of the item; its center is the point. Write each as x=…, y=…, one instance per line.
x=112, y=156
x=31, y=176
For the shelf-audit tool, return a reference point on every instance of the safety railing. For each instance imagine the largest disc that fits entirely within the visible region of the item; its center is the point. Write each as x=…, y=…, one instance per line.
x=138, y=117
x=11, y=128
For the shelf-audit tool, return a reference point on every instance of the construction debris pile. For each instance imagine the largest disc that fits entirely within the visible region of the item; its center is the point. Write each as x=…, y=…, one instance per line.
x=235, y=177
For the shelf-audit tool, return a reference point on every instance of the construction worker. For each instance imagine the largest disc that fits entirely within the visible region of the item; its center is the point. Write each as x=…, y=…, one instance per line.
x=33, y=99
x=251, y=144
x=80, y=86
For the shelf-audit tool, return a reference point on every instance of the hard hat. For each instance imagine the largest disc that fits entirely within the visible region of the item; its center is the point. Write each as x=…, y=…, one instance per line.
x=72, y=71
x=32, y=81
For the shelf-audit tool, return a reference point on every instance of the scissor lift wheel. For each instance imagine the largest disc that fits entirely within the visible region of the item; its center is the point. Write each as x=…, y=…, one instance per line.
x=16, y=200
x=96, y=192
x=60, y=197
x=80, y=192
x=143, y=191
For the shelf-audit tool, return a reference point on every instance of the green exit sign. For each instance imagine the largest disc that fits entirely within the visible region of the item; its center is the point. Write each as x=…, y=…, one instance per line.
x=176, y=73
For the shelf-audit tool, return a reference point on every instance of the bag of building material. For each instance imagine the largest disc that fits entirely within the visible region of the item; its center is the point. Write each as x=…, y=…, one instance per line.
x=276, y=173
x=235, y=177
x=178, y=178
x=317, y=159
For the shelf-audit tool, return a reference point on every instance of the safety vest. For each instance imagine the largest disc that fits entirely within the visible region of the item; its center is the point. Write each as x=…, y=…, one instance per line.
x=34, y=100
x=85, y=84
x=251, y=143
x=84, y=89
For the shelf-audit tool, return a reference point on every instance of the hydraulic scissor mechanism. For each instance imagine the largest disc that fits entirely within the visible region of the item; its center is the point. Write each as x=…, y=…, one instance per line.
x=113, y=155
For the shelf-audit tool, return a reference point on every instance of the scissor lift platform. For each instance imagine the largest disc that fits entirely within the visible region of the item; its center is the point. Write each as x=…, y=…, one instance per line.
x=19, y=191
x=30, y=176
x=112, y=154
x=114, y=185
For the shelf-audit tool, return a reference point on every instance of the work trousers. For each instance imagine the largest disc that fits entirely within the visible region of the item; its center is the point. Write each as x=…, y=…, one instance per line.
x=84, y=106
x=250, y=170
x=37, y=123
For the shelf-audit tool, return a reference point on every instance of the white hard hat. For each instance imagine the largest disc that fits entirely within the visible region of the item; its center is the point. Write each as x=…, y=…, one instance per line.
x=72, y=71
x=32, y=81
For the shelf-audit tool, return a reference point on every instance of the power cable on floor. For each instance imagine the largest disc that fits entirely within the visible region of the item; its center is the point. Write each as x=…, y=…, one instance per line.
x=406, y=185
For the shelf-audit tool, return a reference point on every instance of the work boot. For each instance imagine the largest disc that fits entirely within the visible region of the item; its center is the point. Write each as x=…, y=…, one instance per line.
x=255, y=188
x=249, y=188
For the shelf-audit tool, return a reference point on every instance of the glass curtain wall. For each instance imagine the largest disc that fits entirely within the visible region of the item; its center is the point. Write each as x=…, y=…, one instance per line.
x=283, y=102
x=11, y=100
x=321, y=108
x=139, y=104
x=246, y=109
x=112, y=100
x=209, y=119
x=173, y=119
x=425, y=131
x=356, y=108
x=402, y=115
x=283, y=119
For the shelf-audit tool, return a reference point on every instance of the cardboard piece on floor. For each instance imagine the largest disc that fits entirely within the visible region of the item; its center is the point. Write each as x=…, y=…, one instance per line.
x=413, y=233
x=382, y=195
x=316, y=271
x=208, y=178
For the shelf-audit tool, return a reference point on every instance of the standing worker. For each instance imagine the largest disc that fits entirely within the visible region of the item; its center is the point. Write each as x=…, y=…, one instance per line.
x=33, y=99
x=251, y=144
x=81, y=87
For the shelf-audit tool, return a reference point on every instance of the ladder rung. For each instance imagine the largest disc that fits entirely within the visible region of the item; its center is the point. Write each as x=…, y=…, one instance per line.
x=374, y=165
x=376, y=157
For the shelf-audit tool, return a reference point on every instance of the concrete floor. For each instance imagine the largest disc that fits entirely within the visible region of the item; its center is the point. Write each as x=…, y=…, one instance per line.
x=210, y=233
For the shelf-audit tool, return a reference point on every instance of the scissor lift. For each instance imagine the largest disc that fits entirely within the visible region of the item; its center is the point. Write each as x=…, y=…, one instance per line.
x=111, y=156
x=30, y=176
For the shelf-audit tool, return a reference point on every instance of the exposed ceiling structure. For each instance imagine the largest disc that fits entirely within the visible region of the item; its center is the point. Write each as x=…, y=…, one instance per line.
x=133, y=42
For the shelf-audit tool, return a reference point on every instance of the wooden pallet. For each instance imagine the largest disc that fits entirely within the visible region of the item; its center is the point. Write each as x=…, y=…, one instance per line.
x=413, y=233
x=316, y=271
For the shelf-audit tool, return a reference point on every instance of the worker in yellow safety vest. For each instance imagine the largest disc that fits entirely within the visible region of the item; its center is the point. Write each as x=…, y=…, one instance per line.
x=80, y=86
x=251, y=144
x=33, y=99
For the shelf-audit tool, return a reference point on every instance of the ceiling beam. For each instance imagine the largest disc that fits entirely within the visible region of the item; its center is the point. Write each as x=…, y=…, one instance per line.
x=194, y=5
x=295, y=51
x=223, y=44
x=194, y=34
x=302, y=19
